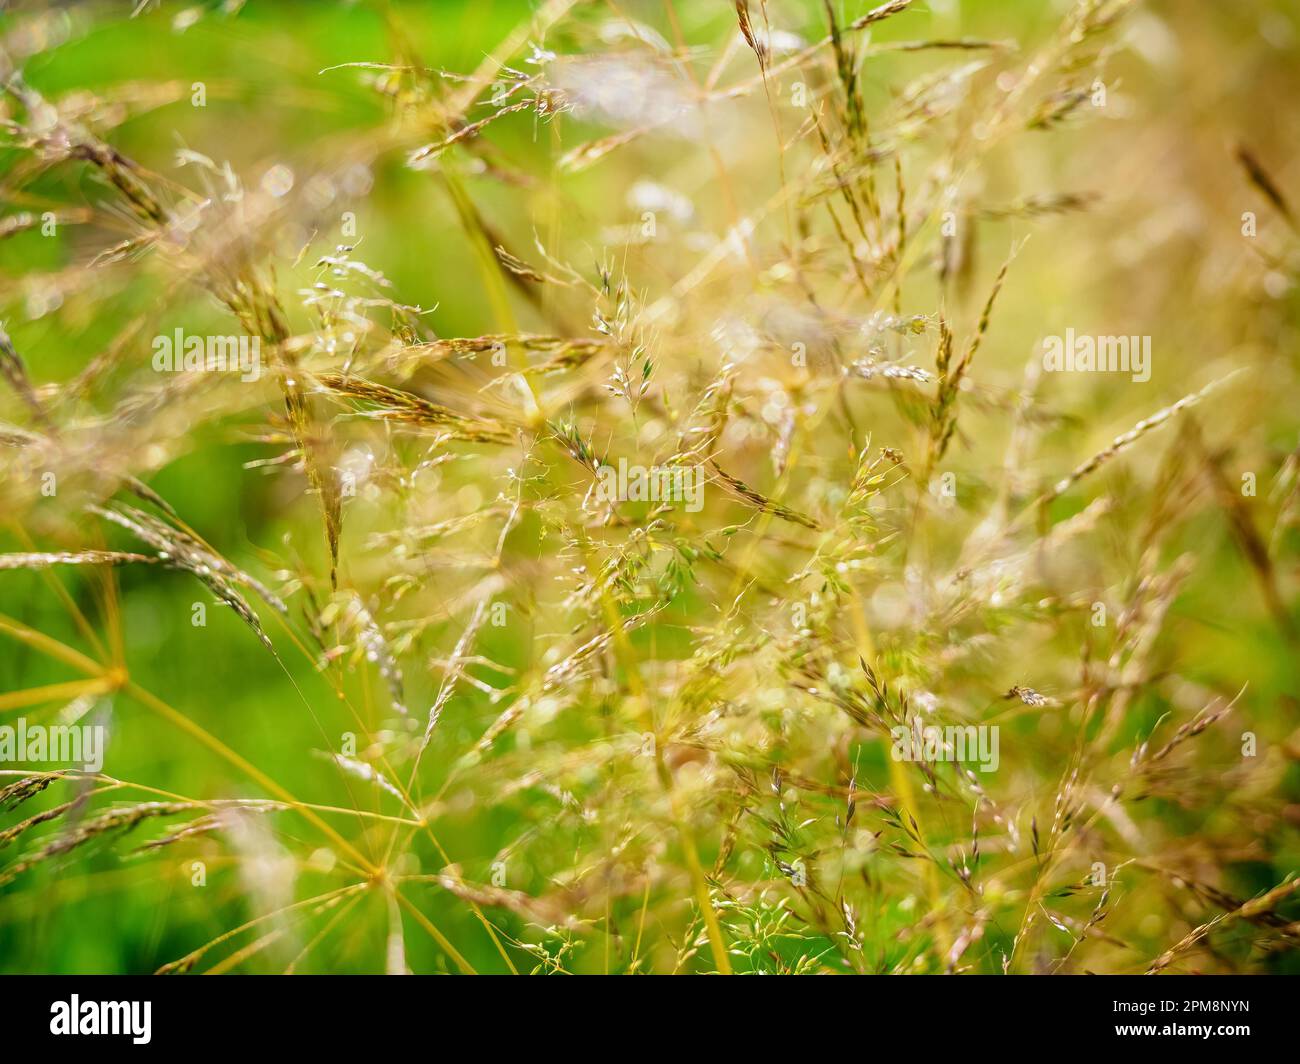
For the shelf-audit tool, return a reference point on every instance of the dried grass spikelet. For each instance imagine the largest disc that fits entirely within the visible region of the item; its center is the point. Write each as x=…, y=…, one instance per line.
x=14, y=794
x=729, y=643
x=761, y=502
x=210, y=822
x=357, y=623
x=540, y=911
x=53, y=813
x=115, y=820
x=406, y=408
x=178, y=549
x=1127, y=439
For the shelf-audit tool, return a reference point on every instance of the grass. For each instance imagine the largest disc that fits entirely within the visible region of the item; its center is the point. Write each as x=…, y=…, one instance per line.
x=391, y=682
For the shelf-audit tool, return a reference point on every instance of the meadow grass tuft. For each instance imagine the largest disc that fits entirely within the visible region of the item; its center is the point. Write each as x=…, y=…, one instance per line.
x=521, y=714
